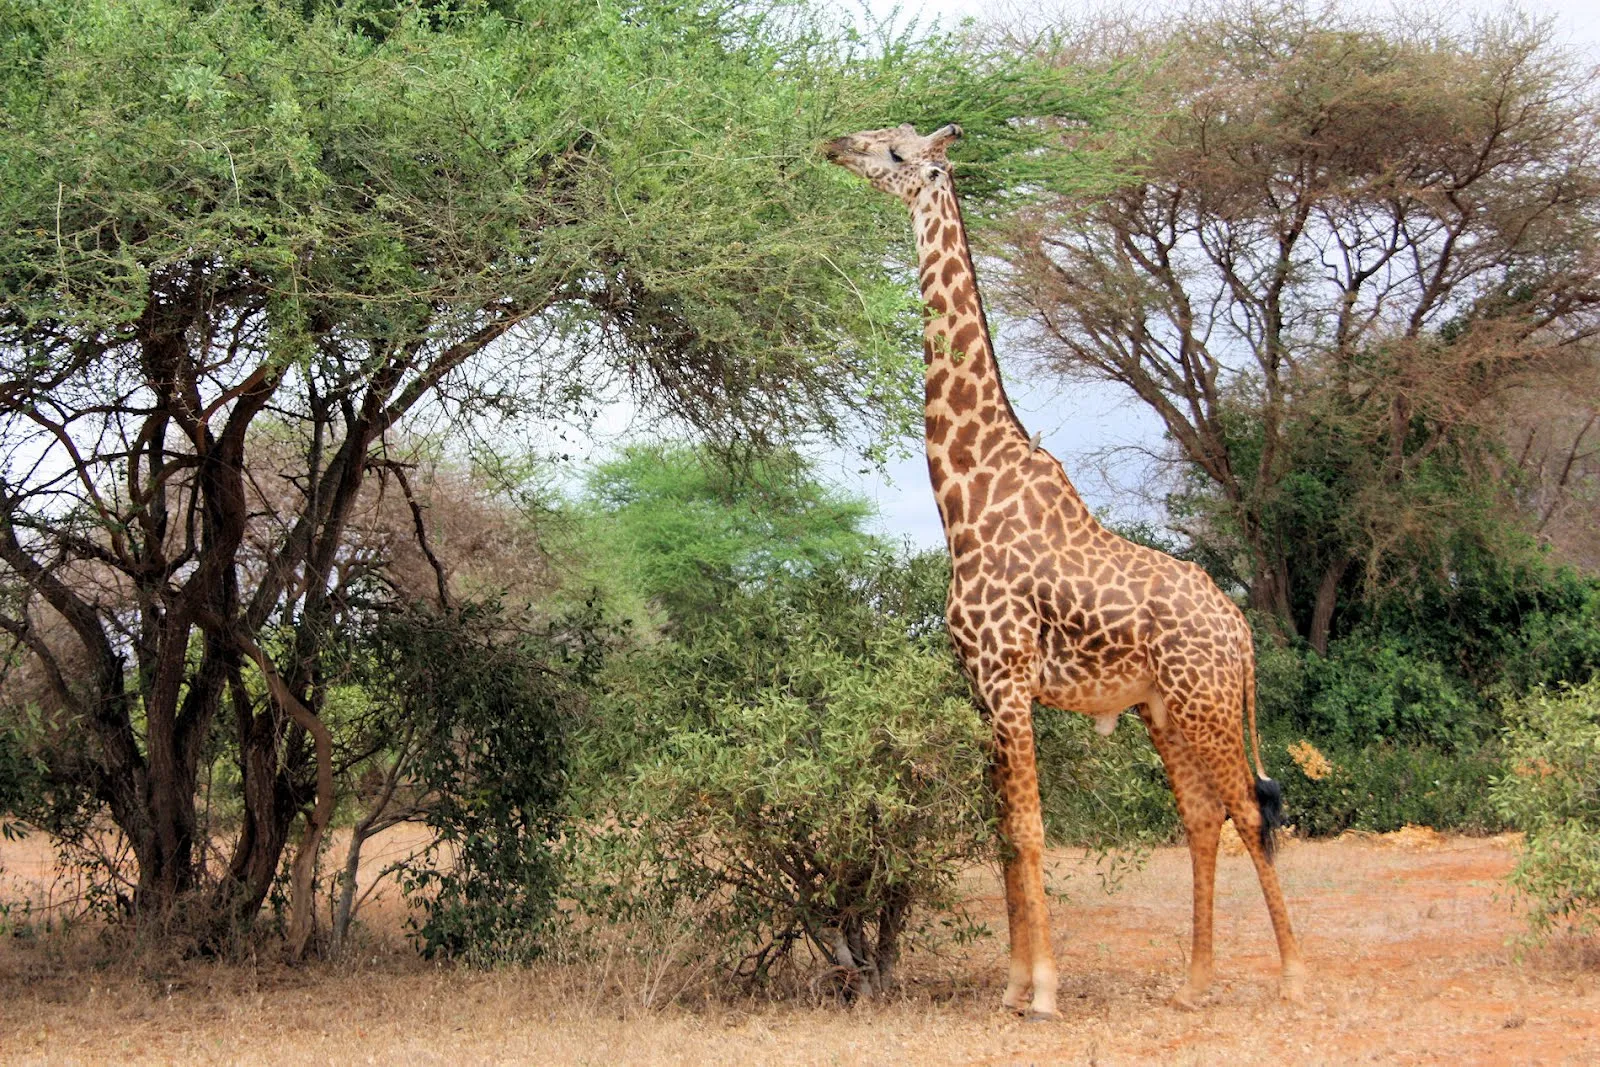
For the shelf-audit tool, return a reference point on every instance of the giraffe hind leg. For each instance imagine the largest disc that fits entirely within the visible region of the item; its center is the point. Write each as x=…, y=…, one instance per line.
x=1256, y=807
x=1202, y=812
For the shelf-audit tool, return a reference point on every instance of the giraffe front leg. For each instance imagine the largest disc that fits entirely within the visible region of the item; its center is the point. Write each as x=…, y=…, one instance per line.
x=1019, y=981
x=1033, y=968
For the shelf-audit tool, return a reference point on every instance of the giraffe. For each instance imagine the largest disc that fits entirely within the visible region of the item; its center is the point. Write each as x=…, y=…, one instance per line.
x=1047, y=605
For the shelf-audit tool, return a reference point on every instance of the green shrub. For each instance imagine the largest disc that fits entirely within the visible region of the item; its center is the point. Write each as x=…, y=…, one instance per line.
x=1559, y=643
x=1374, y=688
x=1383, y=786
x=1102, y=792
x=18, y=780
x=801, y=770
x=490, y=708
x=1552, y=791
x=1405, y=739
x=1113, y=792
x=17, y=773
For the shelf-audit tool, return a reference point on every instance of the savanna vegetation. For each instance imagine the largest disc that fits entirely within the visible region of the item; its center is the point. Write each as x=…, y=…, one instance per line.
x=299, y=311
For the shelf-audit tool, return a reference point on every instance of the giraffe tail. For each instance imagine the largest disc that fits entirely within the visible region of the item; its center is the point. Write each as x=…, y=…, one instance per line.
x=1269, y=795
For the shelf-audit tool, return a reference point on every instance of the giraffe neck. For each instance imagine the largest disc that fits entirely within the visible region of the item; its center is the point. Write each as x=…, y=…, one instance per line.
x=967, y=415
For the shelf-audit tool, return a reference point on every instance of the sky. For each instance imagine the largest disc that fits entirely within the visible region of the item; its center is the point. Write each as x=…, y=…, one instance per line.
x=1099, y=434
x=1579, y=18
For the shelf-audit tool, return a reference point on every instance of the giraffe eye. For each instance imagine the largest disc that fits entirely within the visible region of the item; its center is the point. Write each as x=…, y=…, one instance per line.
x=895, y=156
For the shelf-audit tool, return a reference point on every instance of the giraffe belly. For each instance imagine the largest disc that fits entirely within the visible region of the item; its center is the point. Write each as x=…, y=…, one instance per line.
x=1106, y=695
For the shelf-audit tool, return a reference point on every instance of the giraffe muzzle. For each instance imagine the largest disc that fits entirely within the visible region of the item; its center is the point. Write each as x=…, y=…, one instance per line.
x=839, y=146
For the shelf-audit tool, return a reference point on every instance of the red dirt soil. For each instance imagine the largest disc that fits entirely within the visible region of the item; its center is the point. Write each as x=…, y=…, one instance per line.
x=1409, y=938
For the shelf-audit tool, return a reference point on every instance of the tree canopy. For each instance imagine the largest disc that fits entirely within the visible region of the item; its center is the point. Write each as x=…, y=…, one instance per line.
x=239, y=270
x=674, y=528
x=1342, y=246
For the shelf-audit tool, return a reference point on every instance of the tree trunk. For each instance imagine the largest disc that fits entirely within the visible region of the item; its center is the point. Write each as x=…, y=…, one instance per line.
x=845, y=960
x=270, y=807
x=344, y=908
x=891, y=920
x=1327, y=598
x=375, y=821
x=163, y=824
x=1269, y=593
x=302, y=874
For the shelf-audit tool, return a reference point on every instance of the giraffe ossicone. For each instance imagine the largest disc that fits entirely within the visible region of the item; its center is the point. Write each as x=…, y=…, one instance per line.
x=1048, y=606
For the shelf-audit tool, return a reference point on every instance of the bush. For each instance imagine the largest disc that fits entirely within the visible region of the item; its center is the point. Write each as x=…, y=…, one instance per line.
x=1330, y=788
x=1378, y=734
x=1102, y=792
x=1559, y=642
x=800, y=771
x=1113, y=792
x=18, y=779
x=491, y=708
x=1552, y=792
x=1372, y=690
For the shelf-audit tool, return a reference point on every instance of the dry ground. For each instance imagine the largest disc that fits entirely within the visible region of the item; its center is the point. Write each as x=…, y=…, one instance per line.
x=1407, y=938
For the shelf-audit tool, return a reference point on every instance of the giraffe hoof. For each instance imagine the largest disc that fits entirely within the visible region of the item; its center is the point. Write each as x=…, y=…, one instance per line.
x=1186, y=999
x=1293, y=987
x=1040, y=1017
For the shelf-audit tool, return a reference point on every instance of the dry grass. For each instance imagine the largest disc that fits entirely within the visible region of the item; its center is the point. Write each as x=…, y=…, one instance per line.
x=1408, y=947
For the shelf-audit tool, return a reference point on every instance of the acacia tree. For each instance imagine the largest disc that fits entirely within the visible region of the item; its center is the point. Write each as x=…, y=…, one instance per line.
x=677, y=530
x=340, y=218
x=1340, y=245
x=796, y=762
x=1554, y=448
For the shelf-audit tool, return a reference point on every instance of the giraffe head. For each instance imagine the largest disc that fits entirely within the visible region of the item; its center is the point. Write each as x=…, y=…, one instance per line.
x=897, y=160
